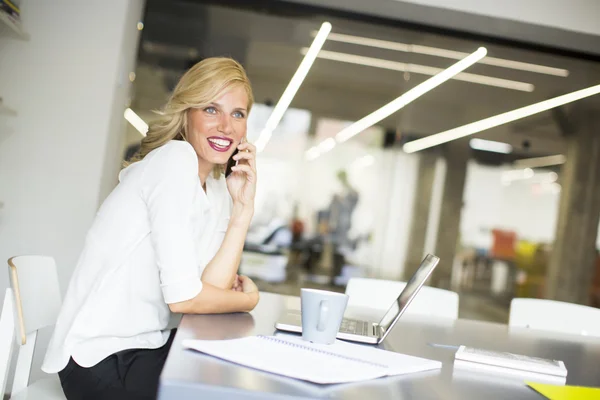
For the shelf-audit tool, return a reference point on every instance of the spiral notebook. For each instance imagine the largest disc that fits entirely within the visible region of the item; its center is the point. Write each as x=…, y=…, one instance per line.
x=291, y=356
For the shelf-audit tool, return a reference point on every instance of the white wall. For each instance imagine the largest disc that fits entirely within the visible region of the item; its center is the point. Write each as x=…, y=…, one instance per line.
x=69, y=85
x=395, y=215
x=572, y=15
x=519, y=207
x=435, y=209
x=66, y=83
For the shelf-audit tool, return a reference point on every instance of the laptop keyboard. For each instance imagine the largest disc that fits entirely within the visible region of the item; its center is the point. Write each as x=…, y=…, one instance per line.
x=355, y=327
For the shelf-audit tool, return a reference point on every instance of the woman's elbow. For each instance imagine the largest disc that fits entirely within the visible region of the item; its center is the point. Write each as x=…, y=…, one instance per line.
x=181, y=307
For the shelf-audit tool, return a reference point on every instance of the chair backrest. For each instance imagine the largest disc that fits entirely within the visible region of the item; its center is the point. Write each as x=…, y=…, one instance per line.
x=37, y=294
x=36, y=302
x=380, y=294
x=7, y=336
x=556, y=316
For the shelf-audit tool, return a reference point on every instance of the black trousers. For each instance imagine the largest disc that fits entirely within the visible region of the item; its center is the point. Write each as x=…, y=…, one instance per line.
x=128, y=374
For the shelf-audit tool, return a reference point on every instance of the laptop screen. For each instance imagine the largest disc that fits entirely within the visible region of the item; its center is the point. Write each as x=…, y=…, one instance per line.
x=410, y=290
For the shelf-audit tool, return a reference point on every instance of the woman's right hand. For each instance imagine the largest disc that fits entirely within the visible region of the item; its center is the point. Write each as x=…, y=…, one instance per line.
x=242, y=181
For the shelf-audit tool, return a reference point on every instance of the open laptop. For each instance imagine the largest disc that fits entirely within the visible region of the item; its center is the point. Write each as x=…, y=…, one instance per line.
x=371, y=331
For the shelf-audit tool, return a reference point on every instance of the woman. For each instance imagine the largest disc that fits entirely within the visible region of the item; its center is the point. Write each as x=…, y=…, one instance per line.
x=168, y=239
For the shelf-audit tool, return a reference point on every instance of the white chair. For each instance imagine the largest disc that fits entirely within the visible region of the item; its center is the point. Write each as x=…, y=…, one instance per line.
x=380, y=294
x=30, y=304
x=556, y=316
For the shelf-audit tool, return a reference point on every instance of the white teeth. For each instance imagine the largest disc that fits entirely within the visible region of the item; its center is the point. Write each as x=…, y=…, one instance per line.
x=220, y=142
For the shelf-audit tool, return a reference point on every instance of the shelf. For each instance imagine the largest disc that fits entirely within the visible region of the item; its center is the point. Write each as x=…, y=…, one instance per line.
x=10, y=27
x=7, y=111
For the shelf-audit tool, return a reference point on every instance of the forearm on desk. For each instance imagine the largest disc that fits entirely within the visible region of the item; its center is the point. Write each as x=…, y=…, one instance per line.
x=221, y=270
x=214, y=300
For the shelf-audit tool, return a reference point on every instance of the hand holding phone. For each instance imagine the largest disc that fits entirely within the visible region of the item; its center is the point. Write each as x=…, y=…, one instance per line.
x=230, y=163
x=241, y=176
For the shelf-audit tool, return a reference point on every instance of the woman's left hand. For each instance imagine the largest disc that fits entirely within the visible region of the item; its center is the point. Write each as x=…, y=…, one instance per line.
x=241, y=183
x=237, y=284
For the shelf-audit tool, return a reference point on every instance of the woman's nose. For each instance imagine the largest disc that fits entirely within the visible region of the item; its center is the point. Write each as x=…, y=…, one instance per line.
x=225, y=125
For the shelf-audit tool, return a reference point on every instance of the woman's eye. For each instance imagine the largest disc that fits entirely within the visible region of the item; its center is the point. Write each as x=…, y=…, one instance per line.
x=238, y=114
x=210, y=110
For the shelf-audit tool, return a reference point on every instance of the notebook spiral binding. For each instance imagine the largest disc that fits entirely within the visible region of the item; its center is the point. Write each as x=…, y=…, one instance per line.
x=286, y=343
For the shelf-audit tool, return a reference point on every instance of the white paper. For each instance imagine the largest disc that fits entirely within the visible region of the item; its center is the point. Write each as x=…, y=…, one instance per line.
x=293, y=357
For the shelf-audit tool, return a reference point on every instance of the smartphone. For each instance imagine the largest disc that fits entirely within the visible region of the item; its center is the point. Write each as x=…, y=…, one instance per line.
x=230, y=163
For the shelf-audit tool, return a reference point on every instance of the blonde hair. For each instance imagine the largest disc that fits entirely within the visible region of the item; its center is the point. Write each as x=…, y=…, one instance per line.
x=198, y=87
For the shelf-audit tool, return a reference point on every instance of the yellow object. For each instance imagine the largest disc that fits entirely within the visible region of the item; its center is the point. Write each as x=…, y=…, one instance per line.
x=555, y=392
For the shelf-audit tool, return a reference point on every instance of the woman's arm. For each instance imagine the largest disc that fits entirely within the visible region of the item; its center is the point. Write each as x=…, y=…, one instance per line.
x=213, y=300
x=221, y=270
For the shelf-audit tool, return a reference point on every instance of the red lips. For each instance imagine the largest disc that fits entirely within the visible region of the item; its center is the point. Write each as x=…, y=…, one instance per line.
x=219, y=143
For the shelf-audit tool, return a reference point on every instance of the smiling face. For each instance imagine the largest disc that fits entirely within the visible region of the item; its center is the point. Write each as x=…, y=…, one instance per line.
x=216, y=130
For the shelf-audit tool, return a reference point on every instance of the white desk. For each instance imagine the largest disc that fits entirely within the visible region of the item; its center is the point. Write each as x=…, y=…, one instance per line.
x=189, y=375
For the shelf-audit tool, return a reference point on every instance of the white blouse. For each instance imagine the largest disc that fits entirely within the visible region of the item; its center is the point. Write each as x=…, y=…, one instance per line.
x=149, y=243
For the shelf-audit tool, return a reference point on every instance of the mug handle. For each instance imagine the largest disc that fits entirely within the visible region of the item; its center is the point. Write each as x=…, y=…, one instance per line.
x=323, y=314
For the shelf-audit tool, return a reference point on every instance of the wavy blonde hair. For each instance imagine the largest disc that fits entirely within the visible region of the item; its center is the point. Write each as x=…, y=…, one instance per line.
x=198, y=87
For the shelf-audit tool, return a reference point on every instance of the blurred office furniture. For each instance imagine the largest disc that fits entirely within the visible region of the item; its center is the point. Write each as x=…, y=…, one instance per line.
x=265, y=253
x=358, y=257
x=531, y=261
x=464, y=269
x=380, y=294
x=31, y=303
x=556, y=316
x=504, y=271
x=349, y=271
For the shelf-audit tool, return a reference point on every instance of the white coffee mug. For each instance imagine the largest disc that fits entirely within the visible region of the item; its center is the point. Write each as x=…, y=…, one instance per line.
x=322, y=314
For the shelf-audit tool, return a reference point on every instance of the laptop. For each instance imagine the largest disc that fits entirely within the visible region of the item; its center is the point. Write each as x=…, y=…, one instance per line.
x=371, y=331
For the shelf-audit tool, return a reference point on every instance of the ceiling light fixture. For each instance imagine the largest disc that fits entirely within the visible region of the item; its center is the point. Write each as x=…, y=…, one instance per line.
x=540, y=162
x=290, y=91
x=490, y=145
x=135, y=120
x=517, y=175
x=435, y=51
x=322, y=148
x=397, y=104
x=422, y=69
x=362, y=162
x=527, y=174
x=500, y=119
x=410, y=96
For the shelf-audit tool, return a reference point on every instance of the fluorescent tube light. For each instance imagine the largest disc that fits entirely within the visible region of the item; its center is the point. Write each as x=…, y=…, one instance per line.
x=363, y=162
x=500, y=119
x=435, y=51
x=527, y=174
x=292, y=88
x=326, y=145
x=410, y=96
x=312, y=153
x=517, y=175
x=423, y=70
x=540, y=162
x=549, y=177
x=136, y=121
x=323, y=147
x=490, y=145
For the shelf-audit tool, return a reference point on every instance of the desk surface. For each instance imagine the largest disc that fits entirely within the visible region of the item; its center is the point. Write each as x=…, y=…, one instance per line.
x=190, y=375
